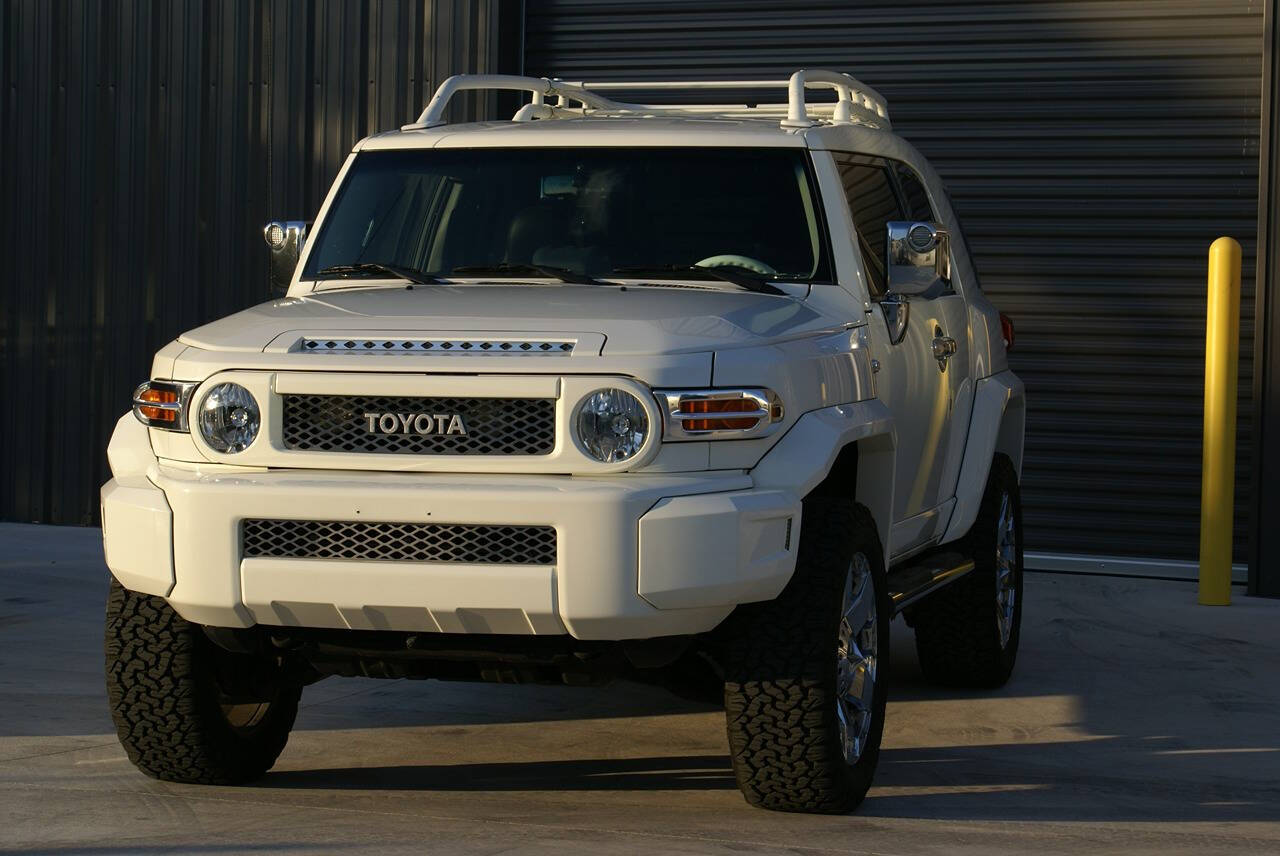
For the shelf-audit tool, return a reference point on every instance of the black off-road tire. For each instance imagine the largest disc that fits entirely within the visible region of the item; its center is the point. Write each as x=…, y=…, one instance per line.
x=166, y=700
x=780, y=672
x=957, y=631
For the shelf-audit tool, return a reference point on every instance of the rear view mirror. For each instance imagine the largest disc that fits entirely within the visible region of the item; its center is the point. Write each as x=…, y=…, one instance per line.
x=558, y=186
x=285, y=238
x=919, y=258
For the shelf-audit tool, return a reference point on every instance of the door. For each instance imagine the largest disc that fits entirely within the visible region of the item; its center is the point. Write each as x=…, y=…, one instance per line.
x=924, y=377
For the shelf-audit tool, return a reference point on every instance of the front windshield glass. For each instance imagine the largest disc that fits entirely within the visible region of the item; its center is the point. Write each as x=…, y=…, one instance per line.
x=627, y=212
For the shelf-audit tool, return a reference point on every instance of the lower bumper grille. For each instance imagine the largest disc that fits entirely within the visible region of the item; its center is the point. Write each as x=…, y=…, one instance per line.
x=401, y=542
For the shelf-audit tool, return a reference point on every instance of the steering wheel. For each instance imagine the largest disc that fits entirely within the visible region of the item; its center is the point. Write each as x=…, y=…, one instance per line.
x=731, y=260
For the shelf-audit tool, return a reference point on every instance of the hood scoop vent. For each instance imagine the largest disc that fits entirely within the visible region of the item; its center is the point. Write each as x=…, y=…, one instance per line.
x=452, y=346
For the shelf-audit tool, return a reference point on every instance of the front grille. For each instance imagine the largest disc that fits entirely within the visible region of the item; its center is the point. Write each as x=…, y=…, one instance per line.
x=398, y=542
x=494, y=426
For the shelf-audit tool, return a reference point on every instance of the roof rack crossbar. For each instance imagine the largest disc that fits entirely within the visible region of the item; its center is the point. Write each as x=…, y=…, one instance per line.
x=855, y=101
x=540, y=87
x=846, y=88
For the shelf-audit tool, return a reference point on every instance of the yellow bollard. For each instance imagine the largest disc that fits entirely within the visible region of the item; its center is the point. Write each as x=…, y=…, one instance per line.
x=1218, y=464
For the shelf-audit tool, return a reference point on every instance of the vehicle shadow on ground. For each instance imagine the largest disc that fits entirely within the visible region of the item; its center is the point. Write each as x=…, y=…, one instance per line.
x=687, y=773
x=361, y=704
x=1083, y=782
x=1007, y=782
x=1171, y=769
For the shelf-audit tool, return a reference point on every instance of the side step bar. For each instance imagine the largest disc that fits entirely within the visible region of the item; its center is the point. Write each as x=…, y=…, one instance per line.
x=912, y=582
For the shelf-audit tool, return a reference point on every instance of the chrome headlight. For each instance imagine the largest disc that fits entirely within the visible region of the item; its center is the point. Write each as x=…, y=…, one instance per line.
x=612, y=425
x=229, y=418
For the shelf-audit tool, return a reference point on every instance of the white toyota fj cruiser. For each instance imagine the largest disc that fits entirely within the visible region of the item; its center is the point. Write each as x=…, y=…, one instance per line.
x=700, y=395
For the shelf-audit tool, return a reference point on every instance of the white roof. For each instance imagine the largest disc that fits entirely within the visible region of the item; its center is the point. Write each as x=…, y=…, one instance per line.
x=592, y=131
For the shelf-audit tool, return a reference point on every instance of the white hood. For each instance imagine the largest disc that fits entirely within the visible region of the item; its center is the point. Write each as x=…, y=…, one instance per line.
x=632, y=319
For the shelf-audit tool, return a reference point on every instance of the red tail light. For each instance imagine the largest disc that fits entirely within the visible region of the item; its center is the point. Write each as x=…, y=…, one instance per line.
x=1006, y=330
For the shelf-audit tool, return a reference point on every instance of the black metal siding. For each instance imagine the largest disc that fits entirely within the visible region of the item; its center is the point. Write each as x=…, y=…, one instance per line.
x=142, y=147
x=1094, y=149
x=1264, y=554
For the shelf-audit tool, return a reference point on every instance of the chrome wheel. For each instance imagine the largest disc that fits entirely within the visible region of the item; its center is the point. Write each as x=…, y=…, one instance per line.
x=856, y=659
x=244, y=716
x=1006, y=568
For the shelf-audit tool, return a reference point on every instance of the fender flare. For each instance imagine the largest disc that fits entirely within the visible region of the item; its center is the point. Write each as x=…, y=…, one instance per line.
x=137, y=522
x=806, y=454
x=998, y=425
x=129, y=452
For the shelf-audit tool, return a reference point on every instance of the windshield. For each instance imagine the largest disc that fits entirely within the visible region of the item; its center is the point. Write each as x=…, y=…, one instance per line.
x=632, y=213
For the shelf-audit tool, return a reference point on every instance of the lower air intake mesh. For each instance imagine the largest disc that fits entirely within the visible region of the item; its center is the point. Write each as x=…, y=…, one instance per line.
x=401, y=542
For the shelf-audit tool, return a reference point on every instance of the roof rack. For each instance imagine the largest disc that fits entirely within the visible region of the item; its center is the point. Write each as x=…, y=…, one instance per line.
x=856, y=103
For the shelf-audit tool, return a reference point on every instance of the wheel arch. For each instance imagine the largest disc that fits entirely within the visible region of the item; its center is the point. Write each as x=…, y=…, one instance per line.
x=848, y=450
x=1009, y=440
x=997, y=427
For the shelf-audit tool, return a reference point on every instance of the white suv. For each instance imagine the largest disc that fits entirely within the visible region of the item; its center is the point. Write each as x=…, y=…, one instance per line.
x=702, y=396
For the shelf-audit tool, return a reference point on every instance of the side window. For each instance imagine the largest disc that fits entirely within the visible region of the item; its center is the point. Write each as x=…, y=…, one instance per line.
x=914, y=198
x=869, y=191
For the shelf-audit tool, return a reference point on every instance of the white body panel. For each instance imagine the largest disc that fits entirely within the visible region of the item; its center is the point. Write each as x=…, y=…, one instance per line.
x=999, y=417
x=619, y=572
x=666, y=543
x=931, y=410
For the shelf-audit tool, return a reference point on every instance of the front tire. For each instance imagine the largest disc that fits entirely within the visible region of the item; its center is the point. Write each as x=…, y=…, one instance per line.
x=172, y=714
x=967, y=633
x=806, y=678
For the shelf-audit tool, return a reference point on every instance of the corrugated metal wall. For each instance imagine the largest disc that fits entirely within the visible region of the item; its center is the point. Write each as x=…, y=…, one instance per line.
x=1264, y=555
x=143, y=145
x=1093, y=147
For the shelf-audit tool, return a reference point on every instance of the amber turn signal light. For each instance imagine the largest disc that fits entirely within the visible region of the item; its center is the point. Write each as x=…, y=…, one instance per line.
x=158, y=396
x=718, y=414
x=162, y=404
x=719, y=405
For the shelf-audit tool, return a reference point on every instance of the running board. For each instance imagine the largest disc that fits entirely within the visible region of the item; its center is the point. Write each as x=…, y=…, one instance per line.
x=912, y=582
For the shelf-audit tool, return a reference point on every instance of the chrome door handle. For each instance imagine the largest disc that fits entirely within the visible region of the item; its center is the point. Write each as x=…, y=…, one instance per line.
x=944, y=348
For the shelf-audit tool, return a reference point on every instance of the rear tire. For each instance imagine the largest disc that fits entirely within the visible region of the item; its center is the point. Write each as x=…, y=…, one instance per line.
x=171, y=712
x=806, y=675
x=967, y=632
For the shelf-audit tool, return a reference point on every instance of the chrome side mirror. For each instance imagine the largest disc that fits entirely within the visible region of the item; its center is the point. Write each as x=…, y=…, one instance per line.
x=285, y=238
x=897, y=310
x=919, y=258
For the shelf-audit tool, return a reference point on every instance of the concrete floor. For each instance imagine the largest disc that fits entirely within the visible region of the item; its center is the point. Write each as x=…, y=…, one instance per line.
x=1137, y=721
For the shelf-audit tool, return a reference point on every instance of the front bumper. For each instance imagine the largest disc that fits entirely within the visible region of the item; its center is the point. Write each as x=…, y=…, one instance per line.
x=638, y=556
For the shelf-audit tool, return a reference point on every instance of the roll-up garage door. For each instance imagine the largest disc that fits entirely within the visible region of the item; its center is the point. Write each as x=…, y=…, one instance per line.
x=1093, y=148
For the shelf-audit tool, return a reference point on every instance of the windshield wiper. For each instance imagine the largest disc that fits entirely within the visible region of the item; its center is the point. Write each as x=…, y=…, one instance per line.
x=741, y=277
x=398, y=271
x=560, y=273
